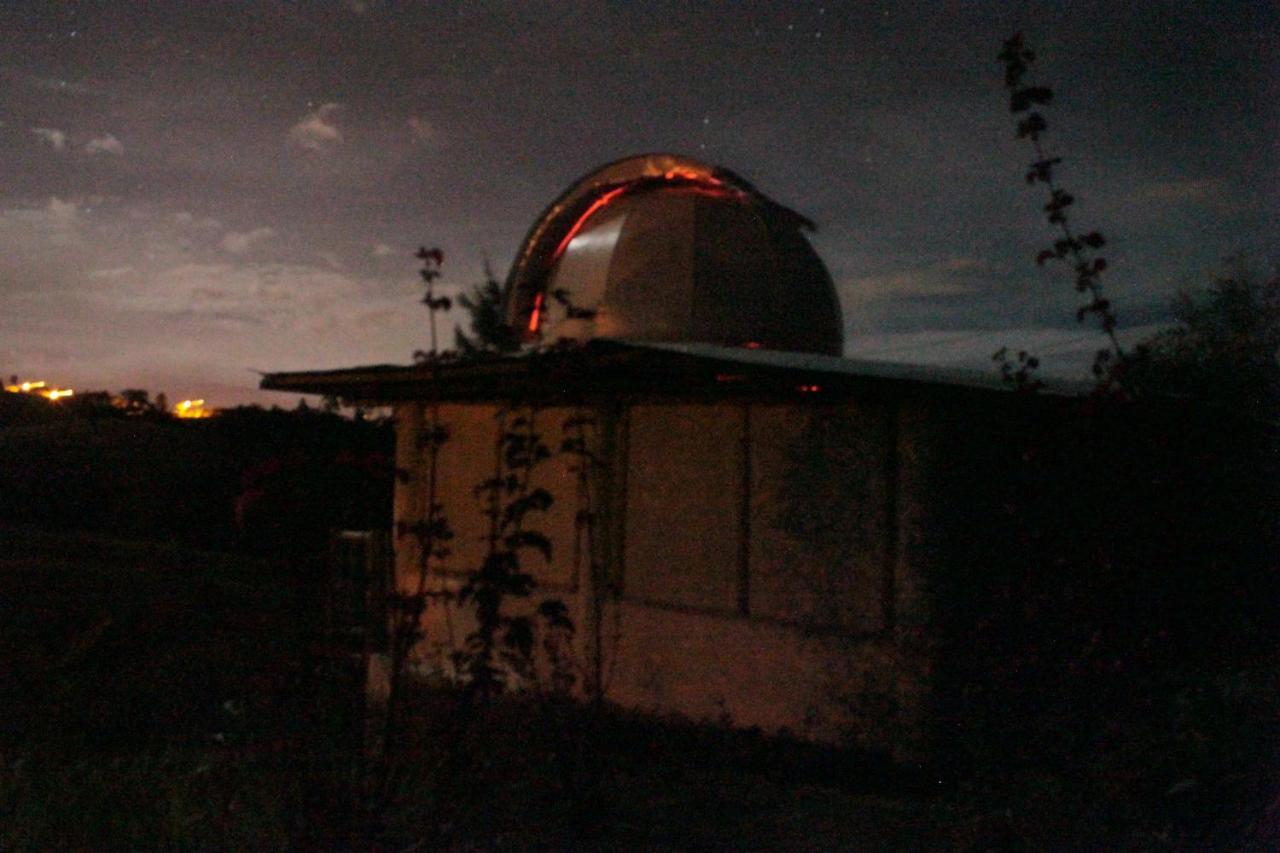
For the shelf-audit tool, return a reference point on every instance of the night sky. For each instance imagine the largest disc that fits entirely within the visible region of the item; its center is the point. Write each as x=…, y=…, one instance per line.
x=190, y=191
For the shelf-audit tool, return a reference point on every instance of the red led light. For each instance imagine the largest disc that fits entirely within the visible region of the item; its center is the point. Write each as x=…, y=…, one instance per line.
x=699, y=183
x=808, y=389
x=691, y=176
x=536, y=315
x=683, y=179
x=582, y=220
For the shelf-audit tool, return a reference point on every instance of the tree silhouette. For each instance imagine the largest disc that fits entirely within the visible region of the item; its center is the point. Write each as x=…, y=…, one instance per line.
x=1224, y=348
x=490, y=332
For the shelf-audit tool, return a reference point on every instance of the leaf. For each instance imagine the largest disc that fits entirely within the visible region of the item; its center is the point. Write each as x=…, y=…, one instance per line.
x=556, y=615
x=521, y=584
x=530, y=539
x=1042, y=170
x=1022, y=100
x=435, y=256
x=519, y=636
x=1032, y=126
x=1059, y=200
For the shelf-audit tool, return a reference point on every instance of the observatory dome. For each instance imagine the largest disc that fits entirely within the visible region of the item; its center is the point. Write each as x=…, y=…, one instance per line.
x=663, y=248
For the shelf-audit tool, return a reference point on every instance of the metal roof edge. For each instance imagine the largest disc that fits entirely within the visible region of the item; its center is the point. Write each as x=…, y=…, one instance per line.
x=363, y=382
x=858, y=368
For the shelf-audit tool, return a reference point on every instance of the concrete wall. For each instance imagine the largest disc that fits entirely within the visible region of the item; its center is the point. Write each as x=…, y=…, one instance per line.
x=765, y=564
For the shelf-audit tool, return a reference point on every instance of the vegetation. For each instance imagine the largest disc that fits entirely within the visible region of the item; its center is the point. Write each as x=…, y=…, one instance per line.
x=490, y=332
x=1119, y=638
x=1225, y=347
x=1111, y=683
x=267, y=481
x=1077, y=250
x=156, y=697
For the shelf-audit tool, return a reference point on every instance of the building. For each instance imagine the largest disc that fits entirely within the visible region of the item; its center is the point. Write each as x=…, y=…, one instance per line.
x=775, y=536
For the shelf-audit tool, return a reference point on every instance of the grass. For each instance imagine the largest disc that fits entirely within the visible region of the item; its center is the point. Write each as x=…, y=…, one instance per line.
x=153, y=697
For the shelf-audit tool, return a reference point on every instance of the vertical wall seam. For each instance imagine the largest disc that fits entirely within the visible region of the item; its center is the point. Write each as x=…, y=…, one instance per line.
x=744, y=531
x=617, y=578
x=893, y=464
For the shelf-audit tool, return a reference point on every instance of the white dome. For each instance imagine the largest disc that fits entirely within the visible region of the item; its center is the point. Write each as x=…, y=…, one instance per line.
x=663, y=248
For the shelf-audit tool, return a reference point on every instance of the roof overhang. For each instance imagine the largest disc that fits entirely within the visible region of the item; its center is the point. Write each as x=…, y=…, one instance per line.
x=604, y=367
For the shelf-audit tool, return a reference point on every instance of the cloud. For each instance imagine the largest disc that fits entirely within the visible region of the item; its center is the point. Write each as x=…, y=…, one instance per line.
x=1185, y=189
x=112, y=272
x=62, y=212
x=189, y=220
x=272, y=295
x=51, y=135
x=1065, y=353
x=318, y=130
x=1213, y=193
x=105, y=144
x=382, y=250
x=241, y=242
x=952, y=276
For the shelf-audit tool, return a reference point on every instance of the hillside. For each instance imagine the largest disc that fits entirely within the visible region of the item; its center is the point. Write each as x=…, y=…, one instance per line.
x=218, y=482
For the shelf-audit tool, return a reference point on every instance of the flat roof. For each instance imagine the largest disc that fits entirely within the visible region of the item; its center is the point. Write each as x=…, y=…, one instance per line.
x=607, y=366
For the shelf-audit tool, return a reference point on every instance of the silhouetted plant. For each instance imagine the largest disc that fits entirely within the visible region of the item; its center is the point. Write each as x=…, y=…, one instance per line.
x=490, y=332
x=1078, y=250
x=1019, y=374
x=432, y=260
x=432, y=534
x=502, y=644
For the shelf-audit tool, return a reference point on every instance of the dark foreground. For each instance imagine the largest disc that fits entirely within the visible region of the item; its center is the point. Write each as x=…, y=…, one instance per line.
x=153, y=697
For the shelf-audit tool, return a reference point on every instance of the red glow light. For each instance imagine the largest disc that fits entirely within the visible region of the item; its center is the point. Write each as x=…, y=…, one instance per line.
x=582, y=220
x=685, y=179
x=697, y=182
x=690, y=175
x=536, y=315
x=752, y=345
x=808, y=389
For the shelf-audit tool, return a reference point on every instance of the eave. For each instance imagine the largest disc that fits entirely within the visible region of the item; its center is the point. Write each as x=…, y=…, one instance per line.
x=613, y=367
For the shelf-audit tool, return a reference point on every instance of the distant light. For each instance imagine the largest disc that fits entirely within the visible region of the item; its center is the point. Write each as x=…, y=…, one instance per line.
x=192, y=409
x=40, y=389
x=808, y=389
x=752, y=345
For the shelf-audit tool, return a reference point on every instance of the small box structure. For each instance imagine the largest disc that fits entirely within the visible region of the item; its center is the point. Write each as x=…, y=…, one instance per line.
x=764, y=531
x=767, y=530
